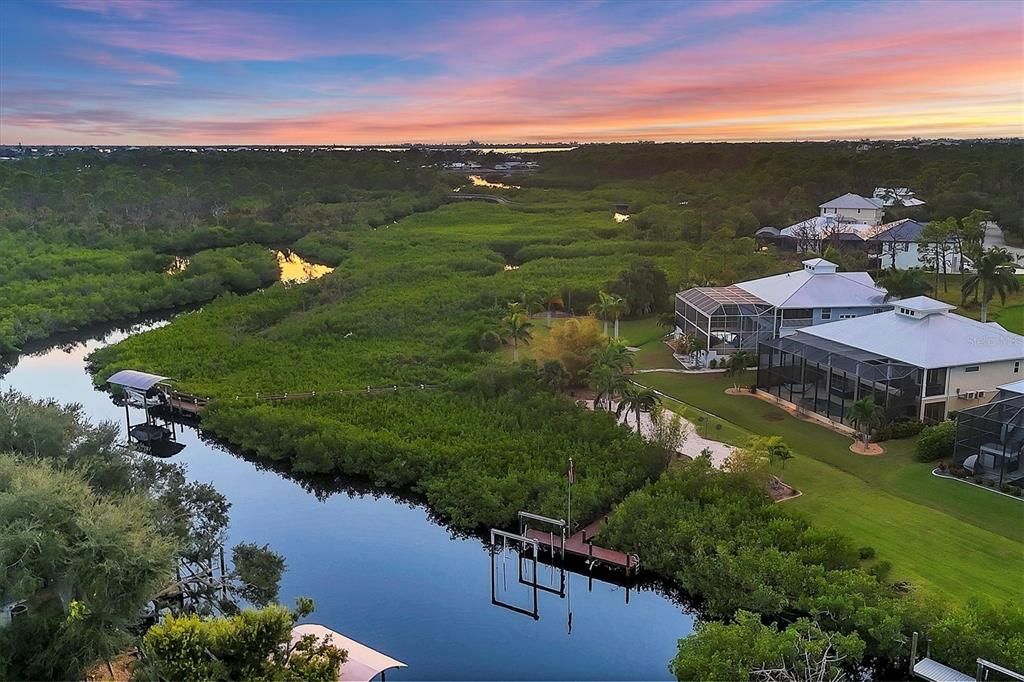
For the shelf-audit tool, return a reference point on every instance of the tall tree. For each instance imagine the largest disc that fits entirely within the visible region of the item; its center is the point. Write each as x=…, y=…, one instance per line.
x=608, y=382
x=935, y=244
x=637, y=399
x=904, y=283
x=609, y=307
x=994, y=273
x=644, y=286
x=517, y=329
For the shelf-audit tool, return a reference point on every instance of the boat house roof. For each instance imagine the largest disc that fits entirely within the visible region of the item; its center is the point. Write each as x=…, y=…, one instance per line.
x=130, y=378
x=363, y=663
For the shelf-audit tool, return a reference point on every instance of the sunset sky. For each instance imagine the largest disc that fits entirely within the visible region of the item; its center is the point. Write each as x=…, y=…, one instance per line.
x=127, y=72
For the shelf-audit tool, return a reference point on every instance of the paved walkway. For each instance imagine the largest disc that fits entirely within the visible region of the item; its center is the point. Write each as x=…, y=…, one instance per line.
x=693, y=444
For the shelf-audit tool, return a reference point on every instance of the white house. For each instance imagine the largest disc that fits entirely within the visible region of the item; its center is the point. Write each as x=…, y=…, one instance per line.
x=739, y=316
x=898, y=245
x=853, y=208
x=891, y=196
x=918, y=360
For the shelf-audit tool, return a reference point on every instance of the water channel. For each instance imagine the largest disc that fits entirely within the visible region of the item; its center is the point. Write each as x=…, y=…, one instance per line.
x=383, y=572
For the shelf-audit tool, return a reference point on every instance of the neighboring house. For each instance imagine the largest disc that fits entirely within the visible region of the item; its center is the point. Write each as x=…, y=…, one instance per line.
x=990, y=437
x=740, y=316
x=898, y=245
x=853, y=208
x=918, y=361
x=892, y=196
x=816, y=234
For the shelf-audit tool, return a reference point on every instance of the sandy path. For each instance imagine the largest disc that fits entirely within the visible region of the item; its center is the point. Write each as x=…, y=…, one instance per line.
x=693, y=444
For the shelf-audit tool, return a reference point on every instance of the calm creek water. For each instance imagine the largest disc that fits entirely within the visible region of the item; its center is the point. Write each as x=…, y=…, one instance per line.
x=382, y=572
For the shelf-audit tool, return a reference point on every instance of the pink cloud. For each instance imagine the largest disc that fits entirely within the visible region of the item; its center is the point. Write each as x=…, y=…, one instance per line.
x=149, y=72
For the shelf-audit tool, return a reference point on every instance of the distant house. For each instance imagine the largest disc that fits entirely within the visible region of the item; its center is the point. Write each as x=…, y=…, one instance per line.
x=741, y=316
x=853, y=208
x=918, y=360
x=893, y=196
x=898, y=245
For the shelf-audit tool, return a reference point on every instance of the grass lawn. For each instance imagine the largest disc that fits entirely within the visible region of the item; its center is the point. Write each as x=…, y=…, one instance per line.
x=950, y=539
x=1009, y=314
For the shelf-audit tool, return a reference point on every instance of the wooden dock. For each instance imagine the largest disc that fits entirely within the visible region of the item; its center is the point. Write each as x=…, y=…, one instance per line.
x=581, y=546
x=185, y=404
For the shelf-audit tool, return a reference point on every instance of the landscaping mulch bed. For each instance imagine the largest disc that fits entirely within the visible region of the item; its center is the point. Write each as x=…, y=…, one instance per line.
x=872, y=450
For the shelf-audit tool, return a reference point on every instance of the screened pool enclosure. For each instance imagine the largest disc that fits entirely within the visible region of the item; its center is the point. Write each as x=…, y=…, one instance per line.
x=990, y=438
x=826, y=377
x=728, y=318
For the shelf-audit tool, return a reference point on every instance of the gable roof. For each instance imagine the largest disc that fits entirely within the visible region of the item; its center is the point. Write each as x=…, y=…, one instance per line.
x=851, y=200
x=905, y=230
x=942, y=339
x=806, y=289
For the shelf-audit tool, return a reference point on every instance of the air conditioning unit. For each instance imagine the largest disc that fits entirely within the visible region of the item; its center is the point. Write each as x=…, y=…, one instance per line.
x=980, y=394
x=969, y=395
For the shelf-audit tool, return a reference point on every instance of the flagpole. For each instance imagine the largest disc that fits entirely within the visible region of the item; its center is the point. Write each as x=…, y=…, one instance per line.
x=572, y=475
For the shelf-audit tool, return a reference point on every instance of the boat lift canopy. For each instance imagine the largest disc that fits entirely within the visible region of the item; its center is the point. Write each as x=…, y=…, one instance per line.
x=134, y=379
x=363, y=663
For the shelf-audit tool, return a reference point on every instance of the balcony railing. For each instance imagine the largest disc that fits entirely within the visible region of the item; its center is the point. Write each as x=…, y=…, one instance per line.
x=797, y=323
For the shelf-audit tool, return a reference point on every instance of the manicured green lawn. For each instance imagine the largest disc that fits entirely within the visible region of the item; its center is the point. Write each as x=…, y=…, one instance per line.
x=1009, y=314
x=948, y=538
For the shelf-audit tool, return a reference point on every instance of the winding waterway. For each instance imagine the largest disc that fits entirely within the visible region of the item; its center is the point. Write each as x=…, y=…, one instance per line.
x=383, y=572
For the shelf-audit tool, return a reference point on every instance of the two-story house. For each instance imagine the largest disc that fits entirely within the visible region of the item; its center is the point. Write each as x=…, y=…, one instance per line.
x=740, y=316
x=919, y=360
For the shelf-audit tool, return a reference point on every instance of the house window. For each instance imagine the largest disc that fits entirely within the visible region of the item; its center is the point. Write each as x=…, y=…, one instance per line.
x=935, y=412
x=972, y=368
x=1016, y=367
x=826, y=313
x=847, y=316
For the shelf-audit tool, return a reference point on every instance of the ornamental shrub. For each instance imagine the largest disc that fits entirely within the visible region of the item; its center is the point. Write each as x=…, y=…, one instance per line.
x=936, y=442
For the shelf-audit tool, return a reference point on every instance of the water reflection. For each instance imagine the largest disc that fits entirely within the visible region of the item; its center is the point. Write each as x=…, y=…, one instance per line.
x=296, y=270
x=479, y=181
x=384, y=571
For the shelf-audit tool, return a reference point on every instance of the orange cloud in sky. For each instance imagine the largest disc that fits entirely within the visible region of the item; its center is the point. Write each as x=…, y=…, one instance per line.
x=928, y=69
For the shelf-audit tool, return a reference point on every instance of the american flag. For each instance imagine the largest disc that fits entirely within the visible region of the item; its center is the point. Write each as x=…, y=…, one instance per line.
x=572, y=472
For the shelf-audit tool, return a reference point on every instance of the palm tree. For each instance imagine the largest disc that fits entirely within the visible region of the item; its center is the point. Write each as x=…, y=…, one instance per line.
x=866, y=414
x=637, y=399
x=667, y=320
x=617, y=356
x=517, y=328
x=553, y=301
x=553, y=374
x=533, y=302
x=736, y=365
x=994, y=273
x=609, y=306
x=608, y=382
x=904, y=283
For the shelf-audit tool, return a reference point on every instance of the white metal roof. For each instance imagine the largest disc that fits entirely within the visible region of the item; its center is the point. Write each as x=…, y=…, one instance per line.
x=851, y=200
x=933, y=671
x=806, y=289
x=822, y=226
x=1014, y=387
x=363, y=663
x=943, y=339
x=131, y=378
x=924, y=305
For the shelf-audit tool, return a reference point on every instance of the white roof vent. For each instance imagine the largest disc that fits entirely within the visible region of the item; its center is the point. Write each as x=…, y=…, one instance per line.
x=819, y=265
x=921, y=306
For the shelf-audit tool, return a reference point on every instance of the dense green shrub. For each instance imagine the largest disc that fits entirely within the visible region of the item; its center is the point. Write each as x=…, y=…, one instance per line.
x=899, y=429
x=721, y=538
x=936, y=442
x=734, y=651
